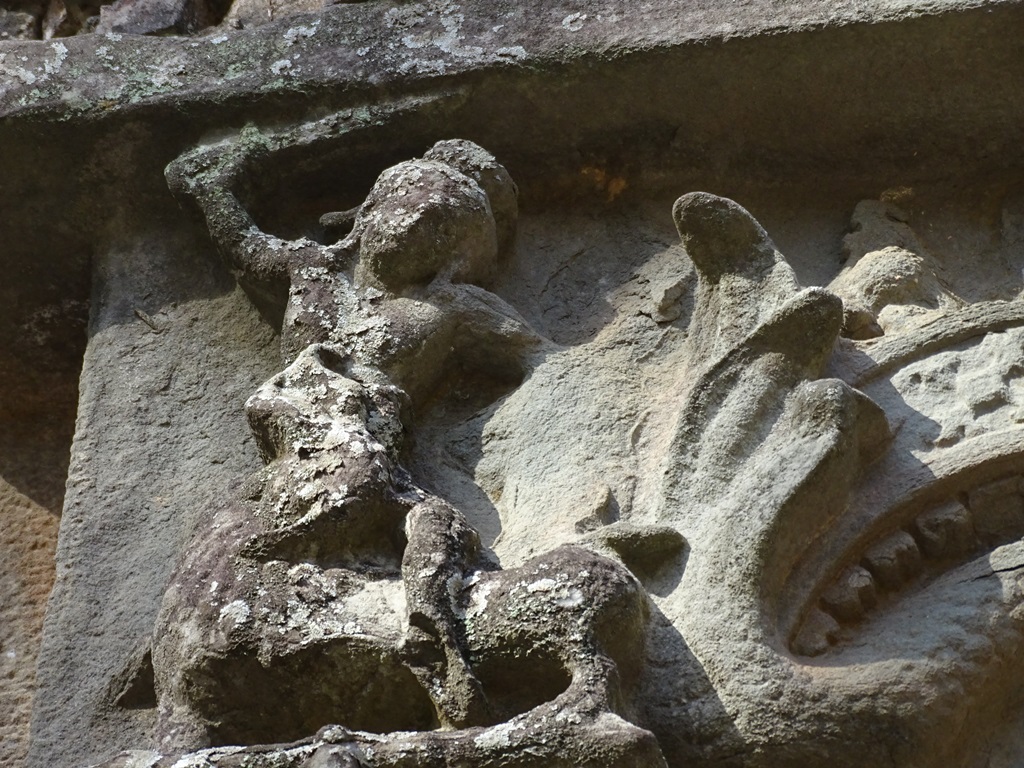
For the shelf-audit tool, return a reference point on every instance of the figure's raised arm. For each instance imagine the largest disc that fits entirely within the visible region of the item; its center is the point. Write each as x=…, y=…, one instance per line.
x=207, y=176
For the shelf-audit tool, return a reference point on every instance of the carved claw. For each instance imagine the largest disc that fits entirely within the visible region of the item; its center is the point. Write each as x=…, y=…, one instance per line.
x=742, y=278
x=804, y=329
x=760, y=338
x=752, y=381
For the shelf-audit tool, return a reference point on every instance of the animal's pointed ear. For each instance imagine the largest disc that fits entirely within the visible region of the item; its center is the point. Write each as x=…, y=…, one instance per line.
x=721, y=237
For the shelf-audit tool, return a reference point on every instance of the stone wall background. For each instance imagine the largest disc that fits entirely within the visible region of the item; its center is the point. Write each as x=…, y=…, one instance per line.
x=27, y=543
x=42, y=338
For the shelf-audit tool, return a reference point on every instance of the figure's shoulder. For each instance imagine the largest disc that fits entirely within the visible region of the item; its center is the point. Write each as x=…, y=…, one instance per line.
x=306, y=259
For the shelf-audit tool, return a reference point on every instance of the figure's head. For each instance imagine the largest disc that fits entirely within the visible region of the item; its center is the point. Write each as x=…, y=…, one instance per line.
x=421, y=220
x=481, y=166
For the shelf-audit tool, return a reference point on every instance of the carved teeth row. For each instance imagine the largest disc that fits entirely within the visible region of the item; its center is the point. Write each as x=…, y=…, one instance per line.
x=985, y=516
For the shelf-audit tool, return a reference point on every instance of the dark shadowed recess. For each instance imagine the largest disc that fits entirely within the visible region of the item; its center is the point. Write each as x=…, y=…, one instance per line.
x=43, y=314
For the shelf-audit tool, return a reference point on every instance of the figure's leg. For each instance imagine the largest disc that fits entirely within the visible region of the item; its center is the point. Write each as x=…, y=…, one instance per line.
x=441, y=547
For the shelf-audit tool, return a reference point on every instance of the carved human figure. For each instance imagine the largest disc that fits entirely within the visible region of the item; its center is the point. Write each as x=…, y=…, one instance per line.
x=397, y=300
x=298, y=583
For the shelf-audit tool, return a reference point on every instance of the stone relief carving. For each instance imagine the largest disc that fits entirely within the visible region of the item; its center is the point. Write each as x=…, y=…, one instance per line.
x=341, y=584
x=534, y=481
x=842, y=462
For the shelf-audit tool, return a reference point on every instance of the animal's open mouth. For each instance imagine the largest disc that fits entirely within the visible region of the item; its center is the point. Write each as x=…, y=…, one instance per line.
x=932, y=505
x=940, y=538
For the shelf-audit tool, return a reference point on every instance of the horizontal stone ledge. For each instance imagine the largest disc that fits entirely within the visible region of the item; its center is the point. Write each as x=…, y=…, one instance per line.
x=752, y=88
